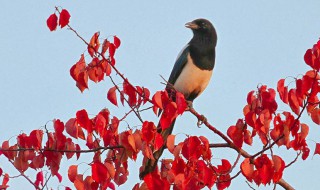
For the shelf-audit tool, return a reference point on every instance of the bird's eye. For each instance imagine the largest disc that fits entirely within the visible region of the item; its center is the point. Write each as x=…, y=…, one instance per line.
x=204, y=25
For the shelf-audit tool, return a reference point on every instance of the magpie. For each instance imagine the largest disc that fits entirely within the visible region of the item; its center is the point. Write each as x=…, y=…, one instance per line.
x=190, y=75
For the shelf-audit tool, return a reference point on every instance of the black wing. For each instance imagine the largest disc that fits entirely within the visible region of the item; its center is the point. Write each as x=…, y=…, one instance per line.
x=179, y=65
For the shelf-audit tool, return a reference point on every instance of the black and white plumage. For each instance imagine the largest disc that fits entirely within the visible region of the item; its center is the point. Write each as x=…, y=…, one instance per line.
x=191, y=73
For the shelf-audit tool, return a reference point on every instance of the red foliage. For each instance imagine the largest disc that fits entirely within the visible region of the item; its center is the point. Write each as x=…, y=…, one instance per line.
x=190, y=167
x=52, y=22
x=262, y=170
x=64, y=18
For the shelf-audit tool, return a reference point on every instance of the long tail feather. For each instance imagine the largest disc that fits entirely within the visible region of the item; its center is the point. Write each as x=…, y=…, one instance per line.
x=152, y=164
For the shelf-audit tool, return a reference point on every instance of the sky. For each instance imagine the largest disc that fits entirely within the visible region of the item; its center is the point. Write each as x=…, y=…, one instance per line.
x=258, y=43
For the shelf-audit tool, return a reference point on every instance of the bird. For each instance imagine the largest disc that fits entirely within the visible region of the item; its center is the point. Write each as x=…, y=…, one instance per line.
x=190, y=75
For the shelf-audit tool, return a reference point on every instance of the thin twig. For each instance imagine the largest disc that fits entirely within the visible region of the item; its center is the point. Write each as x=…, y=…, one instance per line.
x=293, y=161
x=132, y=108
x=250, y=185
x=26, y=177
x=47, y=180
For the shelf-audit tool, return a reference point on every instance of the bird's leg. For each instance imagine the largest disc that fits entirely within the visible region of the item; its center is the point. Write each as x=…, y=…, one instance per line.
x=190, y=105
x=201, y=120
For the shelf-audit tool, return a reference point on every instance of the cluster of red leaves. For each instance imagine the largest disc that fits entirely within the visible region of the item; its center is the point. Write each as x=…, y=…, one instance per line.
x=171, y=105
x=52, y=21
x=262, y=169
x=33, y=155
x=258, y=113
x=190, y=168
x=99, y=65
x=136, y=95
x=312, y=57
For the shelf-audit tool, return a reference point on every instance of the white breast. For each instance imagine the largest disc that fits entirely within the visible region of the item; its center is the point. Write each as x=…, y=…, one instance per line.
x=192, y=79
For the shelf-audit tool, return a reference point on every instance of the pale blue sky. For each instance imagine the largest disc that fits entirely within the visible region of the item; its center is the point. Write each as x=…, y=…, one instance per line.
x=258, y=43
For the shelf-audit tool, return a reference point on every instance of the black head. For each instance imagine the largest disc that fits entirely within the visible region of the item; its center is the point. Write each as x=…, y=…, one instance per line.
x=204, y=28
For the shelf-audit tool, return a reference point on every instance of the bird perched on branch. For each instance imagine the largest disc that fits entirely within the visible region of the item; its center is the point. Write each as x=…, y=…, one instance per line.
x=190, y=75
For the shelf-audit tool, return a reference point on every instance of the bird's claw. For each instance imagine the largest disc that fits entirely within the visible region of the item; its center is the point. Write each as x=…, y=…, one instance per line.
x=201, y=120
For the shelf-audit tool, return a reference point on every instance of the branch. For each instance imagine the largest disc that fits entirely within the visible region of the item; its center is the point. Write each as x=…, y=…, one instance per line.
x=230, y=144
x=26, y=177
x=54, y=150
x=293, y=161
x=132, y=108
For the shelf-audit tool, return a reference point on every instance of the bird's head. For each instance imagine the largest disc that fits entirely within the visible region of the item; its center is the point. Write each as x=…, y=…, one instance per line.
x=202, y=27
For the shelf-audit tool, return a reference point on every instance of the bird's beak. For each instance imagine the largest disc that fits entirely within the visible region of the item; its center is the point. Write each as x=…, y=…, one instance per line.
x=191, y=25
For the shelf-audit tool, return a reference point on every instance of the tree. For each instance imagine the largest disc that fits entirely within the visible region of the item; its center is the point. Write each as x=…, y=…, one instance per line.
x=191, y=167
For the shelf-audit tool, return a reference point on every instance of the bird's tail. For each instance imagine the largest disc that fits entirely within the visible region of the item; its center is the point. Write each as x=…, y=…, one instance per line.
x=151, y=164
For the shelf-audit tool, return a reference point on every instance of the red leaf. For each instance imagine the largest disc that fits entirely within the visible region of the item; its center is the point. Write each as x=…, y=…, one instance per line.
x=293, y=101
x=278, y=165
x=251, y=118
x=39, y=179
x=309, y=58
x=170, y=143
x=305, y=153
x=72, y=172
x=52, y=22
x=181, y=102
x=315, y=115
x=69, y=145
x=35, y=138
x=77, y=68
x=236, y=133
x=58, y=126
x=169, y=114
x=154, y=182
x=78, y=153
x=283, y=91
x=111, y=186
x=247, y=169
x=94, y=44
x=116, y=42
x=224, y=167
x=317, y=149
x=64, y=18
x=148, y=131
x=5, y=181
x=158, y=143
x=83, y=120
x=146, y=94
x=71, y=128
x=178, y=166
x=59, y=177
x=100, y=124
x=105, y=46
x=264, y=169
x=21, y=162
x=225, y=182
x=157, y=100
x=190, y=148
x=82, y=81
x=112, y=96
x=99, y=172
x=78, y=183
x=95, y=72
x=304, y=130
x=112, y=49
x=247, y=137
x=130, y=90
